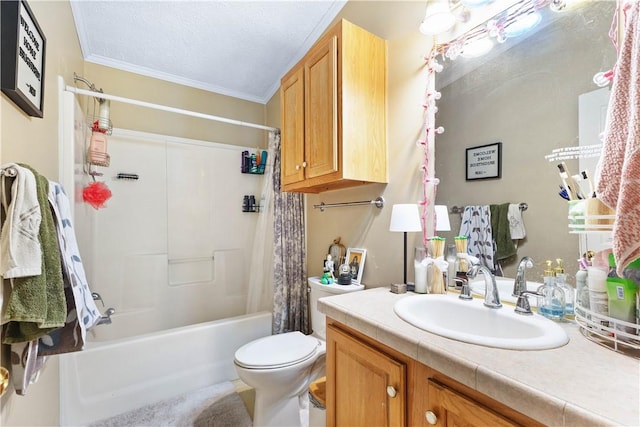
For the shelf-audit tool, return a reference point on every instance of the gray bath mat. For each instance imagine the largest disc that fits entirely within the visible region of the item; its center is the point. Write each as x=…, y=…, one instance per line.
x=215, y=406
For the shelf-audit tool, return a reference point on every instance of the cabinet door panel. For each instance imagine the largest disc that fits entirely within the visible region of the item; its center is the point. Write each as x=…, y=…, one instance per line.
x=359, y=382
x=321, y=109
x=454, y=409
x=292, y=114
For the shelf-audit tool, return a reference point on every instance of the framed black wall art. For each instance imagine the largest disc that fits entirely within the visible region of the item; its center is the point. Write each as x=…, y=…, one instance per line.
x=484, y=161
x=23, y=56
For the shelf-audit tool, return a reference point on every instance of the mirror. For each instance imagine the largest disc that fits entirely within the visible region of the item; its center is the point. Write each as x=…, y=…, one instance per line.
x=525, y=96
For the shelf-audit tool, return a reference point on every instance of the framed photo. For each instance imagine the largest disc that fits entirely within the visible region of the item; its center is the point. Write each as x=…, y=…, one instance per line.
x=355, y=258
x=484, y=161
x=23, y=57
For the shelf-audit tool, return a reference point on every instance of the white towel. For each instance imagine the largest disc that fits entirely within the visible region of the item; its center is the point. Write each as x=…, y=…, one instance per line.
x=516, y=224
x=618, y=172
x=476, y=225
x=20, y=250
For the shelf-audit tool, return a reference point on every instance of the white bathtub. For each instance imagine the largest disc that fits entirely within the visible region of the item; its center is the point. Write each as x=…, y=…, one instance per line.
x=108, y=378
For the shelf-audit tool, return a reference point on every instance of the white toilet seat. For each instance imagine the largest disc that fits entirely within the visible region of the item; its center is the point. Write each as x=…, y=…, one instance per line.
x=277, y=351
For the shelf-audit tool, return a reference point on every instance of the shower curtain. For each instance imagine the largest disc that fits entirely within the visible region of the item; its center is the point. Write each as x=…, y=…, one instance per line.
x=260, y=292
x=290, y=296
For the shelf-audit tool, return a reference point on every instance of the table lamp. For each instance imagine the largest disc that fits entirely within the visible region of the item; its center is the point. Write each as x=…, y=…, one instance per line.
x=442, y=218
x=405, y=218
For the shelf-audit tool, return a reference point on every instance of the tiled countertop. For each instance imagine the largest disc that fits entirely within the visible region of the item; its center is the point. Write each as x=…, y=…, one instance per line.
x=579, y=384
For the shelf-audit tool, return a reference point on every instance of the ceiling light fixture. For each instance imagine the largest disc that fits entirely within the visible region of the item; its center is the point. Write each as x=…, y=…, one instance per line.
x=522, y=24
x=438, y=18
x=475, y=3
x=476, y=47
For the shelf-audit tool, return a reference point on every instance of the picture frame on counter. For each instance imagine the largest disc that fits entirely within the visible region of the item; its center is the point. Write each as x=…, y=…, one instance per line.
x=23, y=57
x=356, y=258
x=484, y=162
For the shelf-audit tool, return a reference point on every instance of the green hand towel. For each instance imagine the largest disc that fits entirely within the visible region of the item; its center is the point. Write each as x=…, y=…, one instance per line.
x=37, y=304
x=501, y=233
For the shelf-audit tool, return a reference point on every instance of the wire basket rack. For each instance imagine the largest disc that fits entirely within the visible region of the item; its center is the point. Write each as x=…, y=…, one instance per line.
x=614, y=334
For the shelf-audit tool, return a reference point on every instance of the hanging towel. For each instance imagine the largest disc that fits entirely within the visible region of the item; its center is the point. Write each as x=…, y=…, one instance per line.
x=82, y=313
x=516, y=223
x=501, y=231
x=20, y=252
x=618, y=172
x=476, y=225
x=25, y=365
x=37, y=304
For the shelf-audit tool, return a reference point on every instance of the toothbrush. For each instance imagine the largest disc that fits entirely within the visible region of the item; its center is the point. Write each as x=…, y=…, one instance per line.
x=580, y=186
x=586, y=177
x=567, y=179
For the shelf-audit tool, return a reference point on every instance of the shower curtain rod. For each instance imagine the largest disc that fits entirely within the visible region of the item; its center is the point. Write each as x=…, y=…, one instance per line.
x=167, y=108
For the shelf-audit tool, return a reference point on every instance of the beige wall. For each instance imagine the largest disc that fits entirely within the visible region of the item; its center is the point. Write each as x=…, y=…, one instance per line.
x=35, y=141
x=137, y=87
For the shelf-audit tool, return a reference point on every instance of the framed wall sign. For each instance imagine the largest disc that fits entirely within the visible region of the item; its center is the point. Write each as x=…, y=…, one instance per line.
x=484, y=161
x=23, y=55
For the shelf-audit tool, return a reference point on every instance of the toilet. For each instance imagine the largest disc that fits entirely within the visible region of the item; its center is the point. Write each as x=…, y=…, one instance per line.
x=281, y=367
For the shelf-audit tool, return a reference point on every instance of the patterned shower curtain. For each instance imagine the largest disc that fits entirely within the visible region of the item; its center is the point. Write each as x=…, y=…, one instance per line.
x=290, y=296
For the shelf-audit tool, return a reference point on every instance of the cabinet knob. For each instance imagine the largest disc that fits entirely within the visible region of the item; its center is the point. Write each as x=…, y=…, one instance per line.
x=391, y=391
x=297, y=167
x=431, y=417
x=304, y=164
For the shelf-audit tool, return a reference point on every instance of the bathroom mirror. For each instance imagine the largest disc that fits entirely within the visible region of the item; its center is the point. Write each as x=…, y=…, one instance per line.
x=526, y=95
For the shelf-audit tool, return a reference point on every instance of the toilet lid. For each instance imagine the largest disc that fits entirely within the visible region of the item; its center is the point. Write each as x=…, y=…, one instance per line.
x=276, y=351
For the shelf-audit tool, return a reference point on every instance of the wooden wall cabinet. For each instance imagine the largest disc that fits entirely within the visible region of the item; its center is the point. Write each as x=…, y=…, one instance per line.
x=370, y=384
x=333, y=113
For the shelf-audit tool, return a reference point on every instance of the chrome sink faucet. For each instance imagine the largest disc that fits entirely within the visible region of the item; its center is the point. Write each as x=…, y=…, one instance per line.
x=491, y=296
x=520, y=284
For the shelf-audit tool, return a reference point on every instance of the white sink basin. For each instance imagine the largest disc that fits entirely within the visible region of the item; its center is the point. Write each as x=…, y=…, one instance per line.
x=472, y=322
x=505, y=289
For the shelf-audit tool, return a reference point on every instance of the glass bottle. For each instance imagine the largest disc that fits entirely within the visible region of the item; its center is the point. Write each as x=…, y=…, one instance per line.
x=420, y=266
x=451, y=257
x=551, y=305
x=561, y=281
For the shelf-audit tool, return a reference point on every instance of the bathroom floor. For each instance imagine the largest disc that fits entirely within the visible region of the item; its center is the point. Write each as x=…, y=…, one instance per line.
x=317, y=417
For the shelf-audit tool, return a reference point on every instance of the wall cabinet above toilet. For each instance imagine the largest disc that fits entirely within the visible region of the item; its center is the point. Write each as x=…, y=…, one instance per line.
x=333, y=111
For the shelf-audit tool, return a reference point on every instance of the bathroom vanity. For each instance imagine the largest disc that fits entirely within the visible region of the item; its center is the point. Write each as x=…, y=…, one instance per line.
x=383, y=371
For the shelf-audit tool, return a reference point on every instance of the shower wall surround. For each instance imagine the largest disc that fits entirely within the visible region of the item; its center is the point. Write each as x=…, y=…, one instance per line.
x=171, y=248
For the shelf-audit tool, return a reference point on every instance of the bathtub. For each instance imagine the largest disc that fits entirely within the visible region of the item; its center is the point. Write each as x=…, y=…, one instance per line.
x=111, y=377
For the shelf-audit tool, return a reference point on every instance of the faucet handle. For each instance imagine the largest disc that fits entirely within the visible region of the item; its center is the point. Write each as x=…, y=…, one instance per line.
x=522, y=305
x=96, y=297
x=465, y=293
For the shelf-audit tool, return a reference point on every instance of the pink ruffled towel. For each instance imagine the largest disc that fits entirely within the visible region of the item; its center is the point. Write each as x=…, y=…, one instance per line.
x=618, y=183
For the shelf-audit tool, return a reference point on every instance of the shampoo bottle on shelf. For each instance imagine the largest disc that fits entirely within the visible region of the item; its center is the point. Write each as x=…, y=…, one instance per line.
x=552, y=304
x=561, y=281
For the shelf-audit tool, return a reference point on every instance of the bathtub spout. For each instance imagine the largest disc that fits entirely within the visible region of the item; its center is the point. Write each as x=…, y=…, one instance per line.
x=106, y=319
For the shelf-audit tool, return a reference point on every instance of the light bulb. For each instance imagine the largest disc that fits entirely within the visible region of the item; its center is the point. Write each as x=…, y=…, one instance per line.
x=437, y=18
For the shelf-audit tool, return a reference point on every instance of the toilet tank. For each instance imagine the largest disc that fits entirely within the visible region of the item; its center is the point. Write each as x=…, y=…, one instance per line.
x=318, y=290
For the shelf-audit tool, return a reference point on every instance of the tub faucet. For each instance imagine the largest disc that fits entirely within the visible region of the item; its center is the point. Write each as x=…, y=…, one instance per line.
x=520, y=284
x=106, y=319
x=491, y=295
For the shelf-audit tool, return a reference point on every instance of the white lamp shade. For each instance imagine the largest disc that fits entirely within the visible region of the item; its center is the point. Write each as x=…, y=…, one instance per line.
x=442, y=218
x=405, y=217
x=438, y=18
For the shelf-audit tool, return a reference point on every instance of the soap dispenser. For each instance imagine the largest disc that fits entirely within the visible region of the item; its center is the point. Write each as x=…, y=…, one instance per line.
x=561, y=281
x=552, y=304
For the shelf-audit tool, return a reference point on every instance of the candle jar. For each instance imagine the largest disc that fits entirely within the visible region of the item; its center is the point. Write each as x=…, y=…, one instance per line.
x=420, y=267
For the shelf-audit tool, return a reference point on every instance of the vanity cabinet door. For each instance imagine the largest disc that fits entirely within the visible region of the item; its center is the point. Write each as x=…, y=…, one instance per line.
x=449, y=408
x=365, y=387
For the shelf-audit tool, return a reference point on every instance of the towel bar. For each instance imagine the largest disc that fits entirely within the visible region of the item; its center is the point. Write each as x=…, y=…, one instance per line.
x=460, y=209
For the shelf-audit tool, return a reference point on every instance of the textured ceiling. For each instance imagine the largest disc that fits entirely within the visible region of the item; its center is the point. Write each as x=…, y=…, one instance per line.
x=236, y=48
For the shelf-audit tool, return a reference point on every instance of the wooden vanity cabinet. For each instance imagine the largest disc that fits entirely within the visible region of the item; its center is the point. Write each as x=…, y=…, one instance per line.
x=370, y=384
x=333, y=113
